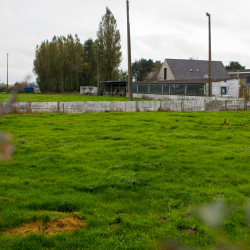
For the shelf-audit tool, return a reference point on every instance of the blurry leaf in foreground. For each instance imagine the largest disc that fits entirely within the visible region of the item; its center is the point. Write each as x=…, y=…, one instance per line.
x=212, y=214
x=171, y=245
x=248, y=212
x=6, y=148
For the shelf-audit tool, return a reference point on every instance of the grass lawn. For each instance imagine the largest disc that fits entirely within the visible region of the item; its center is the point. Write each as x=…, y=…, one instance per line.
x=33, y=97
x=130, y=178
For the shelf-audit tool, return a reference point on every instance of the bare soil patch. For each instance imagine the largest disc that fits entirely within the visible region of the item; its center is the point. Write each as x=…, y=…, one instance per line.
x=52, y=227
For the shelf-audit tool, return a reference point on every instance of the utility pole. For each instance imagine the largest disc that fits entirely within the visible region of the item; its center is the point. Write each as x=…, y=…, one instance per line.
x=130, y=91
x=7, y=73
x=209, y=54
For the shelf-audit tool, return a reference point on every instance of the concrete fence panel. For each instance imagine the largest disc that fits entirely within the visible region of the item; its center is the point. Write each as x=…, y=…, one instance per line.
x=131, y=106
x=235, y=104
x=71, y=107
x=102, y=106
x=171, y=106
x=193, y=105
x=118, y=106
x=215, y=105
x=144, y=106
x=207, y=104
x=40, y=107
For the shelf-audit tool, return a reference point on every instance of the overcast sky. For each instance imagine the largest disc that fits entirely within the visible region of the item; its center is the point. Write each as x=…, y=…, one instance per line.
x=159, y=29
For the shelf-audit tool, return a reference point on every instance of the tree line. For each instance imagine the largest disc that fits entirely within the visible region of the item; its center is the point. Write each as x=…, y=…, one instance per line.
x=64, y=64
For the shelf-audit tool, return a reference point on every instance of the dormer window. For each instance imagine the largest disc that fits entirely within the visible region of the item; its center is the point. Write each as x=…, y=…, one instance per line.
x=191, y=70
x=204, y=70
x=197, y=70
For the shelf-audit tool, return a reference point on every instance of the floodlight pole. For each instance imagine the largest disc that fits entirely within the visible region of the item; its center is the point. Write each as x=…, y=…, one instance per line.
x=209, y=49
x=130, y=92
x=7, y=73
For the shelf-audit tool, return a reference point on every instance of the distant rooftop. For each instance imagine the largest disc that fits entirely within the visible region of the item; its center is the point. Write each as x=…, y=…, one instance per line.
x=196, y=69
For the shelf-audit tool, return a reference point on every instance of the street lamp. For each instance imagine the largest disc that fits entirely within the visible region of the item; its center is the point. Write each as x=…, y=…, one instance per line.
x=7, y=74
x=209, y=53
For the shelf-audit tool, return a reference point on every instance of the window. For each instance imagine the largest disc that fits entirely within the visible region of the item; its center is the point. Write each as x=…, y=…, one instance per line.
x=248, y=80
x=165, y=73
x=155, y=89
x=142, y=89
x=223, y=90
x=134, y=88
x=166, y=89
x=190, y=70
x=177, y=89
x=195, y=89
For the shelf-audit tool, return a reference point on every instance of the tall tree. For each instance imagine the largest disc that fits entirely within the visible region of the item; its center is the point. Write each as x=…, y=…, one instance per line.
x=89, y=70
x=109, y=45
x=58, y=64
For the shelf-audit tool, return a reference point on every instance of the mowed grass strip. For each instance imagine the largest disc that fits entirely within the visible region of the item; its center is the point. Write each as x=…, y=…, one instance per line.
x=36, y=97
x=132, y=178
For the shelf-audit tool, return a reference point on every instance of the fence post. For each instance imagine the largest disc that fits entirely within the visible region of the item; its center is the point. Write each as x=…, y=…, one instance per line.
x=58, y=107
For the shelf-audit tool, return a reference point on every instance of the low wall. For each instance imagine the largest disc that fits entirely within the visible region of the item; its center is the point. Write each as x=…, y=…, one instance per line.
x=207, y=104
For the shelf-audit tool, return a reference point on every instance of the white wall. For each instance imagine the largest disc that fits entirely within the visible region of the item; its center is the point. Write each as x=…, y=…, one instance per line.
x=88, y=89
x=232, y=86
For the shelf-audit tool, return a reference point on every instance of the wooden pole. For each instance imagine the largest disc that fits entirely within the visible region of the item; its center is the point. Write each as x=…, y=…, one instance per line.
x=209, y=54
x=97, y=61
x=130, y=92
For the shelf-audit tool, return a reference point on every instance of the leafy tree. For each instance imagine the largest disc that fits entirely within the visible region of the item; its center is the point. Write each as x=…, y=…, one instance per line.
x=89, y=70
x=109, y=45
x=141, y=68
x=123, y=75
x=58, y=64
x=234, y=65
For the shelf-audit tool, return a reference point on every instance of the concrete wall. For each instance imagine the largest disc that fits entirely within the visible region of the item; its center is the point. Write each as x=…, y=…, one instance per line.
x=205, y=104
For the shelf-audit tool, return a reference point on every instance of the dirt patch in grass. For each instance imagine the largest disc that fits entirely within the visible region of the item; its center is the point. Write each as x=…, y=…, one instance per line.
x=52, y=227
x=162, y=218
x=189, y=230
x=6, y=198
x=124, y=214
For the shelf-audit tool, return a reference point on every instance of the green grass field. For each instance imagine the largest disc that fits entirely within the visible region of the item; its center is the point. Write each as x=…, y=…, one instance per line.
x=133, y=178
x=33, y=97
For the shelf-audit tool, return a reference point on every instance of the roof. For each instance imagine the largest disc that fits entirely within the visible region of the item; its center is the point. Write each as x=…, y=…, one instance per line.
x=241, y=74
x=114, y=82
x=196, y=69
